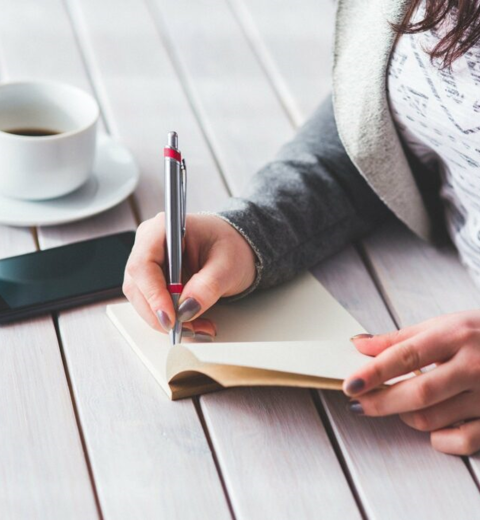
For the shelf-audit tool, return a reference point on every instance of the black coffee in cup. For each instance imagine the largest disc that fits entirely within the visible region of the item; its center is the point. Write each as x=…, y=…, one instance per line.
x=32, y=132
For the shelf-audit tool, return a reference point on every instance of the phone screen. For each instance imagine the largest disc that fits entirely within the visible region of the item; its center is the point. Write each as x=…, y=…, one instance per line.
x=76, y=272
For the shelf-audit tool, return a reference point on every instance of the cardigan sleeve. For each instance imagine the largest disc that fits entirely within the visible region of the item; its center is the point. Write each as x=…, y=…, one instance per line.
x=306, y=204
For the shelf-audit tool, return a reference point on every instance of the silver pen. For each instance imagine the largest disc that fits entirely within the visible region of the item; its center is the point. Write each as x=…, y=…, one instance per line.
x=175, y=217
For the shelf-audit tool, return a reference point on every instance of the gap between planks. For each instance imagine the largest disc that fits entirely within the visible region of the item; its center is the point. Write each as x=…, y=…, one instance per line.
x=170, y=49
x=91, y=81
x=362, y=252
x=256, y=45
x=77, y=417
x=338, y=451
x=201, y=418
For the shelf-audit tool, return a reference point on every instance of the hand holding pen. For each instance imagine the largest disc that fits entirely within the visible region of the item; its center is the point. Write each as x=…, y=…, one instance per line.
x=217, y=259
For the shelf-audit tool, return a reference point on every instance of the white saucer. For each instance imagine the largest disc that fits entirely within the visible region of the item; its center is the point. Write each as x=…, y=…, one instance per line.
x=115, y=176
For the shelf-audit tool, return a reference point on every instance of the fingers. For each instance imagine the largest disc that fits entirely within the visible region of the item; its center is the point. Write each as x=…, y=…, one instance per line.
x=461, y=440
x=435, y=400
x=204, y=288
x=200, y=328
x=140, y=304
x=204, y=327
x=144, y=275
x=458, y=408
x=150, y=239
x=152, y=284
x=416, y=393
x=373, y=345
x=418, y=351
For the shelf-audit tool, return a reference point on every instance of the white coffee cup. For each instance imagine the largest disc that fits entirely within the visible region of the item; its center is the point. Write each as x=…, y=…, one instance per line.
x=47, y=166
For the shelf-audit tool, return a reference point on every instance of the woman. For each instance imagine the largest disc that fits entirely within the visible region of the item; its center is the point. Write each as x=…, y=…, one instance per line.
x=400, y=139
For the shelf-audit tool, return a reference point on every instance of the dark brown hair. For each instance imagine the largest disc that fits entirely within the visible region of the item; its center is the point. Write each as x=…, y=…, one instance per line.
x=461, y=35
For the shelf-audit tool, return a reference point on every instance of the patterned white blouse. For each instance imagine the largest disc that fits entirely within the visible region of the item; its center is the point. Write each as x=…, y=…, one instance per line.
x=437, y=114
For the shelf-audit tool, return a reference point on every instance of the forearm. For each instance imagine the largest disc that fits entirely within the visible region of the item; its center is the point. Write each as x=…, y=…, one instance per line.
x=306, y=204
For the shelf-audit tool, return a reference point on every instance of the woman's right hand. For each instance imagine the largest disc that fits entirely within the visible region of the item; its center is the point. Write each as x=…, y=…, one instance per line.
x=218, y=262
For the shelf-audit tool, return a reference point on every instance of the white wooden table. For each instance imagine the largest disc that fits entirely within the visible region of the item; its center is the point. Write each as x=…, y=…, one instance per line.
x=85, y=433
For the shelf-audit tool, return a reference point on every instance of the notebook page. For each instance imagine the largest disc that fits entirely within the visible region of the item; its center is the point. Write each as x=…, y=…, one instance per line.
x=335, y=359
x=301, y=309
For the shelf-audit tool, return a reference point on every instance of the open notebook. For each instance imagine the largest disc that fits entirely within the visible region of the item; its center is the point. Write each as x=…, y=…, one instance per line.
x=296, y=334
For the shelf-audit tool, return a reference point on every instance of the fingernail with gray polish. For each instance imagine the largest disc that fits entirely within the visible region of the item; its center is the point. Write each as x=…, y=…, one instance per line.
x=188, y=309
x=361, y=336
x=164, y=321
x=203, y=338
x=188, y=333
x=355, y=386
x=355, y=407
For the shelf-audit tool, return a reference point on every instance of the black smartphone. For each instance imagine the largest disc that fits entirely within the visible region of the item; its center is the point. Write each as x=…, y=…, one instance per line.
x=63, y=277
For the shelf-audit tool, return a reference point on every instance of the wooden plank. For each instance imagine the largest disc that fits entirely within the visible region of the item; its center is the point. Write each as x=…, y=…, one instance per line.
x=43, y=469
x=268, y=444
x=43, y=472
x=345, y=276
x=420, y=281
x=16, y=241
x=294, y=48
x=342, y=280
x=144, y=452
x=417, y=469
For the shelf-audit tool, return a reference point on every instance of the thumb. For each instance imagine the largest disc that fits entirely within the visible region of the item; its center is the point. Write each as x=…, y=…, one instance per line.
x=204, y=289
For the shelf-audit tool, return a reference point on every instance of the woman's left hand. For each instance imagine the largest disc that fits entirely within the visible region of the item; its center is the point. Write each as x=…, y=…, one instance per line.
x=444, y=401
